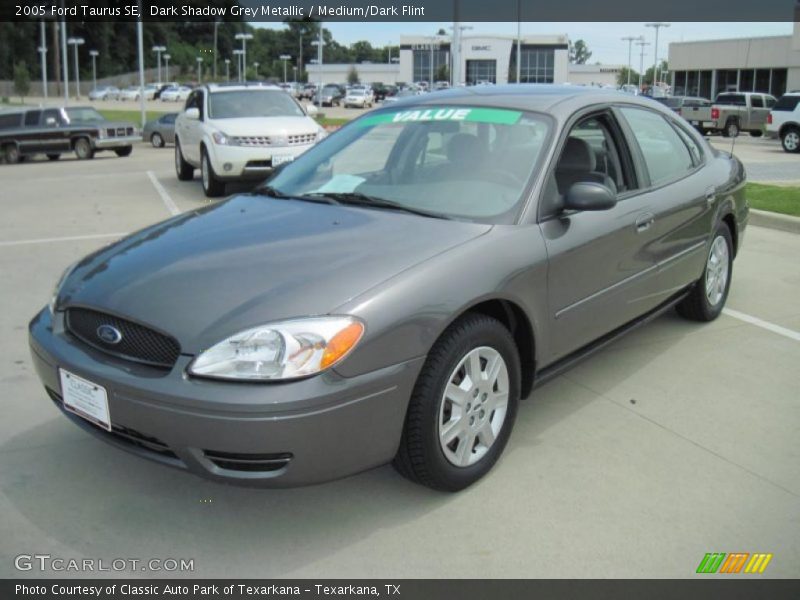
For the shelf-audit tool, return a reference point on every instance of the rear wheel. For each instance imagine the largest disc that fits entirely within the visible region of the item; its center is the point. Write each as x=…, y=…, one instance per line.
x=212, y=186
x=12, y=154
x=463, y=406
x=790, y=139
x=731, y=128
x=183, y=169
x=126, y=151
x=707, y=298
x=157, y=140
x=83, y=149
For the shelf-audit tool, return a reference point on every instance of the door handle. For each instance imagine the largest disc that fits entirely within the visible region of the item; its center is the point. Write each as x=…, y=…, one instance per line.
x=711, y=194
x=644, y=222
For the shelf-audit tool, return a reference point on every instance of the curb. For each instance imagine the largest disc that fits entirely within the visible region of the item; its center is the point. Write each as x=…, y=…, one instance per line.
x=762, y=218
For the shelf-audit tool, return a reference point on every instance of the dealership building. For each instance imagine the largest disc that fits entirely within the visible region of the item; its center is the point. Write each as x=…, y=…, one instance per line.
x=758, y=64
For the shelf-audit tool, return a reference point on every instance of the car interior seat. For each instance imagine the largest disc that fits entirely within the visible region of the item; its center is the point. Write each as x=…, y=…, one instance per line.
x=578, y=163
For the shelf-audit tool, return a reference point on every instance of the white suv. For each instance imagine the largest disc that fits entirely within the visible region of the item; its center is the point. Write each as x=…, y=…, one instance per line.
x=784, y=121
x=240, y=132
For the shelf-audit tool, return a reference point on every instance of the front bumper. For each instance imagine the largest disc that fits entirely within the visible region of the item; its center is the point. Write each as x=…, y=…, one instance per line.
x=269, y=435
x=109, y=143
x=231, y=163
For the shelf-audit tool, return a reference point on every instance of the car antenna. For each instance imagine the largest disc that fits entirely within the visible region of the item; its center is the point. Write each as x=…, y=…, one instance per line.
x=733, y=142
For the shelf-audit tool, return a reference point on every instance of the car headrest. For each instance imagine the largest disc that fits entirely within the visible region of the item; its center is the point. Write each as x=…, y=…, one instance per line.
x=577, y=156
x=464, y=148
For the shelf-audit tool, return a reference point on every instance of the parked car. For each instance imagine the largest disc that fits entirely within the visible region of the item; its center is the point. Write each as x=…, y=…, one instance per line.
x=401, y=95
x=133, y=92
x=162, y=87
x=358, y=98
x=783, y=121
x=392, y=294
x=307, y=91
x=733, y=112
x=106, y=92
x=240, y=132
x=631, y=89
x=161, y=131
x=175, y=94
x=682, y=105
x=55, y=131
x=330, y=95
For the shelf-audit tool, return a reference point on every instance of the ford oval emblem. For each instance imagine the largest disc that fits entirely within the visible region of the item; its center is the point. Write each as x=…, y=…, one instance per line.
x=109, y=334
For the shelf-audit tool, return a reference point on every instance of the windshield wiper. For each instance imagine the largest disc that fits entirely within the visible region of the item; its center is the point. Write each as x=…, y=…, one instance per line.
x=359, y=199
x=268, y=190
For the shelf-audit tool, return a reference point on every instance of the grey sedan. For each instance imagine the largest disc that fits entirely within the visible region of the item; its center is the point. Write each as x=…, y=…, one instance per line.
x=161, y=131
x=393, y=293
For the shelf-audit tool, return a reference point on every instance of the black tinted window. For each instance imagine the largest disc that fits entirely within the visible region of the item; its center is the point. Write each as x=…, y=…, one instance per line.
x=32, y=117
x=756, y=101
x=731, y=99
x=170, y=118
x=10, y=120
x=787, y=103
x=51, y=117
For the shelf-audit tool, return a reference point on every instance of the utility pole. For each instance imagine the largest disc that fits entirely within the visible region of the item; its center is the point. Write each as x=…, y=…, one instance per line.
x=642, y=44
x=656, y=26
x=244, y=37
x=64, y=61
x=227, y=69
x=630, y=39
x=76, y=41
x=158, y=50
x=166, y=67
x=140, y=50
x=216, y=31
x=284, y=58
x=238, y=54
x=43, y=52
x=94, y=54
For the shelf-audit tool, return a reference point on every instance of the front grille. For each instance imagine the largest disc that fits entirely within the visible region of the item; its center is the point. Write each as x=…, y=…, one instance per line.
x=251, y=463
x=137, y=343
x=119, y=131
x=125, y=435
x=261, y=141
x=302, y=139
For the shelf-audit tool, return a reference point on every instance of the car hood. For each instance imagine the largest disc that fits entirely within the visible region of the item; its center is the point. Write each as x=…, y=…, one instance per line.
x=266, y=125
x=206, y=274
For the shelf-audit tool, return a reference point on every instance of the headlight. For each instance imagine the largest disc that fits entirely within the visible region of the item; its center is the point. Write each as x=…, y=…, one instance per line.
x=220, y=138
x=57, y=288
x=284, y=350
x=321, y=134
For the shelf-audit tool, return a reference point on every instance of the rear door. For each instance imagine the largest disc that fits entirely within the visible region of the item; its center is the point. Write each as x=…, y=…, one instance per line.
x=30, y=141
x=56, y=136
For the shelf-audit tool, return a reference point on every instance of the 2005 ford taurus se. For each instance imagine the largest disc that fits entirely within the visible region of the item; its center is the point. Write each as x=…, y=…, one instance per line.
x=394, y=292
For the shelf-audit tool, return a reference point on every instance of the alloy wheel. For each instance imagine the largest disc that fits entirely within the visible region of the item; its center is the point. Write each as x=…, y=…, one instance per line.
x=717, y=268
x=791, y=141
x=473, y=407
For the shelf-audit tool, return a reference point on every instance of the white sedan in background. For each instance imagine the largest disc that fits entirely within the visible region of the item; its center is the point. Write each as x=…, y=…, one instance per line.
x=359, y=98
x=176, y=94
x=106, y=92
x=133, y=92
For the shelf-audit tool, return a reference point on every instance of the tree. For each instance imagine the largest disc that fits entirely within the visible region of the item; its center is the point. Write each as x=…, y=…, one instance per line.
x=442, y=73
x=441, y=32
x=352, y=75
x=22, y=80
x=622, y=77
x=579, y=52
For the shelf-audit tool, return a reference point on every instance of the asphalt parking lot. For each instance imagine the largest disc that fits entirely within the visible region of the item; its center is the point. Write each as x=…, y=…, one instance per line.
x=764, y=159
x=678, y=440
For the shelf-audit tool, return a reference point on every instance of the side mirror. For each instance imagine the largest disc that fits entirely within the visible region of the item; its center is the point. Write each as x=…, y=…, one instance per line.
x=192, y=113
x=311, y=110
x=588, y=195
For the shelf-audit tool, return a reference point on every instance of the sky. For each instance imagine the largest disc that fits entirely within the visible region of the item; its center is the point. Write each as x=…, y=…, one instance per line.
x=603, y=39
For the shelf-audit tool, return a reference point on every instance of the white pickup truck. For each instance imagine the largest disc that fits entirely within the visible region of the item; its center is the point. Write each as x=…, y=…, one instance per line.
x=731, y=113
x=783, y=122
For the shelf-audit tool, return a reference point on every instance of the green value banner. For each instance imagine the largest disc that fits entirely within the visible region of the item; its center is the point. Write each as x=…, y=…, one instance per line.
x=455, y=113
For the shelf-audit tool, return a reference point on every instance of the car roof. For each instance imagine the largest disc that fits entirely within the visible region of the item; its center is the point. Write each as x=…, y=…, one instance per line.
x=240, y=86
x=534, y=97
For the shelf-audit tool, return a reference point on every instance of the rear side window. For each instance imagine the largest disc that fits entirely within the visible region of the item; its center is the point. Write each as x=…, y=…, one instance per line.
x=788, y=103
x=666, y=156
x=731, y=100
x=32, y=117
x=756, y=102
x=9, y=121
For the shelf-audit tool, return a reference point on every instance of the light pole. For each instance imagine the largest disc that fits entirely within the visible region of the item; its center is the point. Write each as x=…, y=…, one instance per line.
x=166, y=67
x=244, y=37
x=216, y=33
x=94, y=54
x=238, y=54
x=656, y=26
x=75, y=42
x=43, y=51
x=158, y=50
x=294, y=68
x=255, y=66
x=434, y=40
x=319, y=43
x=519, y=40
x=199, y=60
x=227, y=69
x=455, y=52
x=284, y=58
x=642, y=44
x=630, y=39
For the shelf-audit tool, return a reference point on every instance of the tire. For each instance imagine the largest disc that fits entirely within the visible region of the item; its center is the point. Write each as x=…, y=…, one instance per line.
x=731, y=128
x=126, y=151
x=212, y=186
x=53, y=156
x=83, y=149
x=12, y=154
x=706, y=300
x=157, y=140
x=790, y=139
x=424, y=456
x=757, y=133
x=183, y=169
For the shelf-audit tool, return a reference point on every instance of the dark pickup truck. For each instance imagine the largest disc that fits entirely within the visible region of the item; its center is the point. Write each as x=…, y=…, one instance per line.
x=54, y=131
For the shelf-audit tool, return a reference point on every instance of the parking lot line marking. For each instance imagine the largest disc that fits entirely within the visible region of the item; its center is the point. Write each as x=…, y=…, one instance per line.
x=71, y=238
x=168, y=202
x=789, y=333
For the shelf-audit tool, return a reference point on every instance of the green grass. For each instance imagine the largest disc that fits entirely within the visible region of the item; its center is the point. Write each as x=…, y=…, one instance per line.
x=778, y=199
x=129, y=115
x=332, y=122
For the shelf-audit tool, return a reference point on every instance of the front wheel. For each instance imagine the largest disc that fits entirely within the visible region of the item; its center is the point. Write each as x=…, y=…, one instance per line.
x=183, y=169
x=790, y=140
x=707, y=298
x=83, y=149
x=212, y=186
x=157, y=140
x=463, y=406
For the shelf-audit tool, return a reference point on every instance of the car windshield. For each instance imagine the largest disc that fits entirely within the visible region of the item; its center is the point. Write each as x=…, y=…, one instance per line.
x=470, y=163
x=252, y=103
x=84, y=115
